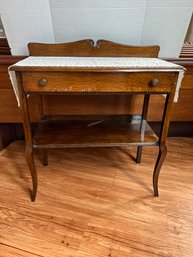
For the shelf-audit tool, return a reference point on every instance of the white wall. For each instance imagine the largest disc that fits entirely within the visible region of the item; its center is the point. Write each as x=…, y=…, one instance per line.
x=162, y=22
x=26, y=21
x=166, y=23
x=118, y=20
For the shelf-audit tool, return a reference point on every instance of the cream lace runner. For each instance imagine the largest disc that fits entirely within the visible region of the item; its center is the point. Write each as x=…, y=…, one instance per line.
x=130, y=64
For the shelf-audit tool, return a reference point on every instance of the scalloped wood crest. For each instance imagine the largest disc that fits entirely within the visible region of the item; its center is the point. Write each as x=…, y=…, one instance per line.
x=88, y=47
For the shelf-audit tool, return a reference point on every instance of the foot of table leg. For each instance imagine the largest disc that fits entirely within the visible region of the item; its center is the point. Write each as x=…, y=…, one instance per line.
x=45, y=157
x=32, y=168
x=158, y=165
x=139, y=154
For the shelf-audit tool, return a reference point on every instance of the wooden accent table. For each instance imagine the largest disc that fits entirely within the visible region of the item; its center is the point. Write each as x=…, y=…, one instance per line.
x=68, y=75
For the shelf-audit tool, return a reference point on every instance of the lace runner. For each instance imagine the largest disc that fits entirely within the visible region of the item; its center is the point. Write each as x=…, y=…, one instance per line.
x=123, y=62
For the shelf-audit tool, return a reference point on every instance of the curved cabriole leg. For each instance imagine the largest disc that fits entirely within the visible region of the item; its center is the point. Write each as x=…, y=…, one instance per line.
x=158, y=165
x=139, y=154
x=28, y=135
x=45, y=157
x=32, y=168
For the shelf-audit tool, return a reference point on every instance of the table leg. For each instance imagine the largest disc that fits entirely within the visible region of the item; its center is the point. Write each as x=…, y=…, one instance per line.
x=139, y=154
x=142, y=129
x=28, y=137
x=162, y=139
x=45, y=157
x=41, y=111
x=161, y=157
x=32, y=168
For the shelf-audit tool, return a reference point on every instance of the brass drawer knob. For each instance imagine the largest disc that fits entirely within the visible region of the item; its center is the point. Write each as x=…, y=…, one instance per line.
x=43, y=82
x=154, y=83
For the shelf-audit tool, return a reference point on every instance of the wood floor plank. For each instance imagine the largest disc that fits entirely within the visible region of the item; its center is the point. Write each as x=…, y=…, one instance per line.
x=97, y=202
x=44, y=238
x=7, y=251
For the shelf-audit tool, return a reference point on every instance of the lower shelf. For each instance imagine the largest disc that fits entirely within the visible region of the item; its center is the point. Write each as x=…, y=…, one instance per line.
x=93, y=132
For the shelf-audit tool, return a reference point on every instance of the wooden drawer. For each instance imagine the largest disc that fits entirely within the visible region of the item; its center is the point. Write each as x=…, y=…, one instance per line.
x=98, y=82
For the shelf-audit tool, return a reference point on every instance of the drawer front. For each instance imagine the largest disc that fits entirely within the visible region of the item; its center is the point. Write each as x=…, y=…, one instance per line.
x=98, y=81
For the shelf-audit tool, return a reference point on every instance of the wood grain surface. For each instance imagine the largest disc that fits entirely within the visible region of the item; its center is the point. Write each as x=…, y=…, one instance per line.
x=98, y=81
x=58, y=133
x=87, y=47
x=97, y=202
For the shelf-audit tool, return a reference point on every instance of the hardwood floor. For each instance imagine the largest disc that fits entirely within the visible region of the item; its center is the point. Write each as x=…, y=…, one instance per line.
x=97, y=202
